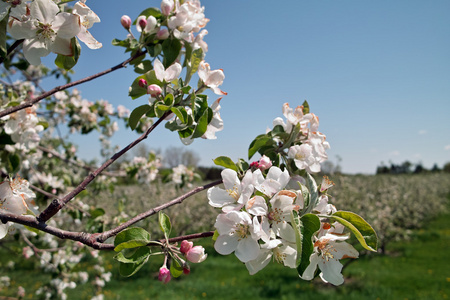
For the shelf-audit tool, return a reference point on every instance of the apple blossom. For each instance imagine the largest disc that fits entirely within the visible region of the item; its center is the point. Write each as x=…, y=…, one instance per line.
x=47, y=30
x=211, y=79
x=87, y=18
x=328, y=250
x=147, y=25
x=154, y=90
x=238, y=233
x=274, y=182
x=304, y=158
x=264, y=163
x=188, y=18
x=235, y=194
x=169, y=74
x=167, y=7
x=196, y=254
x=162, y=34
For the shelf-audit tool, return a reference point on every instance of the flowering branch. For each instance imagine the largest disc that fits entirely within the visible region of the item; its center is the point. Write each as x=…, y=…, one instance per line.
x=33, y=101
x=57, y=204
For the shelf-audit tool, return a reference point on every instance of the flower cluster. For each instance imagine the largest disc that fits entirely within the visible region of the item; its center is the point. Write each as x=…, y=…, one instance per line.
x=17, y=198
x=47, y=29
x=144, y=169
x=257, y=223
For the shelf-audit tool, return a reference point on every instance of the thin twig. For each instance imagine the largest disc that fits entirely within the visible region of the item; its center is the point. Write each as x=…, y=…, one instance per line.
x=79, y=164
x=33, y=101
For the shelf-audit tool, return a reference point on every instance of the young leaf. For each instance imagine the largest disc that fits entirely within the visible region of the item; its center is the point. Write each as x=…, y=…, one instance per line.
x=202, y=124
x=314, y=194
x=305, y=107
x=176, y=267
x=128, y=270
x=258, y=143
x=364, y=233
x=164, y=224
x=225, y=162
x=131, y=238
x=137, y=257
x=137, y=114
x=171, y=48
x=305, y=227
x=3, y=37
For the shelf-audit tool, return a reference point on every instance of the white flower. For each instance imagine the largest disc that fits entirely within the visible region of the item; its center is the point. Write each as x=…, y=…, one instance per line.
x=238, y=234
x=168, y=74
x=283, y=252
x=304, y=158
x=328, y=250
x=15, y=196
x=235, y=194
x=188, y=18
x=87, y=18
x=47, y=30
x=211, y=79
x=216, y=123
x=274, y=182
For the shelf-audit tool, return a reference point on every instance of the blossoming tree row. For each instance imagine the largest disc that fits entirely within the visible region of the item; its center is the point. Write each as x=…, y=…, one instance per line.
x=269, y=208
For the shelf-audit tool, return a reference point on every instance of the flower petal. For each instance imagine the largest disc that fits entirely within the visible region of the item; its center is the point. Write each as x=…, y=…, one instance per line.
x=226, y=244
x=247, y=249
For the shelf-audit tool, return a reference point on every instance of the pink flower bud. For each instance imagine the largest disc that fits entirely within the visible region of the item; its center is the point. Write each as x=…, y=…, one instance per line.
x=162, y=34
x=164, y=275
x=196, y=254
x=154, y=90
x=254, y=165
x=167, y=7
x=143, y=83
x=142, y=22
x=186, y=246
x=186, y=270
x=126, y=22
x=264, y=163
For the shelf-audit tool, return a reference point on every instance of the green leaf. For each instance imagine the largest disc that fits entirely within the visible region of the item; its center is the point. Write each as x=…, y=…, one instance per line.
x=171, y=48
x=304, y=227
x=164, y=224
x=152, y=11
x=363, y=232
x=68, y=62
x=180, y=112
x=137, y=114
x=305, y=107
x=121, y=43
x=225, y=162
x=13, y=163
x=3, y=37
x=176, y=267
x=128, y=270
x=202, y=124
x=143, y=67
x=258, y=143
x=314, y=194
x=196, y=58
x=139, y=255
x=131, y=238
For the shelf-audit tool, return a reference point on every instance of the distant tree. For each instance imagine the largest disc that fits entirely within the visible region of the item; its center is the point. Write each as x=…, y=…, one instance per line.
x=174, y=156
x=446, y=167
x=435, y=169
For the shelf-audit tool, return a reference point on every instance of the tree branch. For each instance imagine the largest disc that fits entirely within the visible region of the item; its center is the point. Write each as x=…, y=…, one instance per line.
x=33, y=101
x=95, y=240
x=57, y=204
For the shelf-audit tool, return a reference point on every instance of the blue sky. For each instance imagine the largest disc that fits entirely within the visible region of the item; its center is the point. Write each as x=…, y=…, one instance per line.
x=377, y=73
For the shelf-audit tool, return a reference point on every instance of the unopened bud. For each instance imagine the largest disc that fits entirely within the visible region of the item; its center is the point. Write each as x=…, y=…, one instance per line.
x=126, y=22
x=164, y=275
x=154, y=90
x=196, y=254
x=142, y=83
x=162, y=34
x=264, y=163
x=167, y=7
x=186, y=246
x=142, y=22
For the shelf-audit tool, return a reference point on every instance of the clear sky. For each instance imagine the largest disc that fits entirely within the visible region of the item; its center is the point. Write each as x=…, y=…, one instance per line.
x=377, y=73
